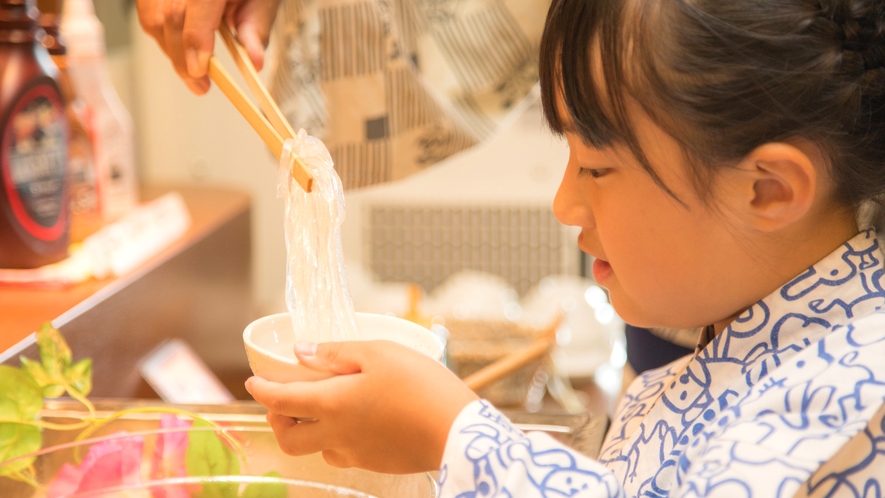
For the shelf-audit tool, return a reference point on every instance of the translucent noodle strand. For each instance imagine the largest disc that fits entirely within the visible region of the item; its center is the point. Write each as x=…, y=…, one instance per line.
x=317, y=295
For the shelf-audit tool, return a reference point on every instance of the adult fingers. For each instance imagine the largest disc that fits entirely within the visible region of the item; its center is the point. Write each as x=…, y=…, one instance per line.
x=198, y=34
x=150, y=16
x=295, y=399
x=253, y=20
x=173, y=16
x=342, y=358
x=251, y=40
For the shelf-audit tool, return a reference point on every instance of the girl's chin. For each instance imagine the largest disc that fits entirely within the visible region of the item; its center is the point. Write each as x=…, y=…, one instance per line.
x=628, y=308
x=630, y=311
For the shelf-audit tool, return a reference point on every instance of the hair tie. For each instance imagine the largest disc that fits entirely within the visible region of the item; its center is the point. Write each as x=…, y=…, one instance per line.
x=873, y=57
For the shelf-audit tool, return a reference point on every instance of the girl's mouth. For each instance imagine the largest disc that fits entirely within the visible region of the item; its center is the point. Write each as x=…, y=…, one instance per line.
x=602, y=271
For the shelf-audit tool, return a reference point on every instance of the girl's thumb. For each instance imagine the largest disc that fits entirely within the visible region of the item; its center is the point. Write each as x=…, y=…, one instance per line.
x=334, y=357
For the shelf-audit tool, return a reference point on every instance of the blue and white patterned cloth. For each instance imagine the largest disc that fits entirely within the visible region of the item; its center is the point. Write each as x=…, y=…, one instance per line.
x=789, y=400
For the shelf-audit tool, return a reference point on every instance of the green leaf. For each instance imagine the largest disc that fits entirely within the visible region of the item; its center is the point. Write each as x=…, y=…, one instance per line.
x=55, y=354
x=20, y=396
x=17, y=440
x=36, y=370
x=20, y=399
x=266, y=490
x=208, y=455
x=79, y=376
x=54, y=373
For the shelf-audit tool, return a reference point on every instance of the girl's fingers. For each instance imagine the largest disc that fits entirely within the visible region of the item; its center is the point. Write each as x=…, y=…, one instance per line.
x=298, y=438
x=342, y=358
x=336, y=459
x=295, y=399
x=280, y=422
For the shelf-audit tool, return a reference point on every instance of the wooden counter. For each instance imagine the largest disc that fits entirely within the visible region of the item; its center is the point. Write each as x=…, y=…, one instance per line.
x=198, y=289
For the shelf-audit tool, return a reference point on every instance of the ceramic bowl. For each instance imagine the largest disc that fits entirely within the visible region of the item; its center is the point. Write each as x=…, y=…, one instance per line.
x=270, y=344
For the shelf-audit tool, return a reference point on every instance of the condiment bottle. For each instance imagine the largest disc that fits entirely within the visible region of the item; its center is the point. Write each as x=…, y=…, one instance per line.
x=112, y=129
x=33, y=145
x=84, y=203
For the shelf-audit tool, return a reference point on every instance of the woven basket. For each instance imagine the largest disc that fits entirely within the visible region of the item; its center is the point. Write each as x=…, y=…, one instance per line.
x=473, y=344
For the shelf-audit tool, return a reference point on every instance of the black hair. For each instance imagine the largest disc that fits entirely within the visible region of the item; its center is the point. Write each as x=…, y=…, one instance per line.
x=723, y=77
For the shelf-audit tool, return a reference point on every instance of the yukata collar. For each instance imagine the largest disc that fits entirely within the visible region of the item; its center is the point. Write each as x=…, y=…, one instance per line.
x=667, y=407
x=844, y=286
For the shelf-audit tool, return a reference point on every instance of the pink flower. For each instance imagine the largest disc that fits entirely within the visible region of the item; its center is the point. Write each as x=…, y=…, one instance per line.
x=168, y=459
x=109, y=463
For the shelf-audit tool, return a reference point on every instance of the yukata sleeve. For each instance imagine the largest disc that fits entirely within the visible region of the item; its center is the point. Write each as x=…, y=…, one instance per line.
x=486, y=456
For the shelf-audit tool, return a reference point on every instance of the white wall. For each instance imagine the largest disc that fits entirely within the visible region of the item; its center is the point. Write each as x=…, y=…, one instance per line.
x=185, y=139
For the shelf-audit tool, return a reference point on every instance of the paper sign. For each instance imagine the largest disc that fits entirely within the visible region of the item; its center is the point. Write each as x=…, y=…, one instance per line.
x=179, y=376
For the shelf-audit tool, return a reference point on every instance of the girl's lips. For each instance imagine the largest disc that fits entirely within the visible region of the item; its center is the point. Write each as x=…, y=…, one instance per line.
x=602, y=271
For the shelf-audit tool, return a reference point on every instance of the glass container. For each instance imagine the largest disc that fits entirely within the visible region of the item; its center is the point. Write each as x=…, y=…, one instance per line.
x=150, y=461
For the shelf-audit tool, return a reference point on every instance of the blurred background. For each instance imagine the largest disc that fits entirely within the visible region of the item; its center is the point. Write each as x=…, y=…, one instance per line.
x=468, y=245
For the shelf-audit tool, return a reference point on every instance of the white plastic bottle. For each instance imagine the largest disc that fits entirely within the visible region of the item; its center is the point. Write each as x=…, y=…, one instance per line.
x=110, y=122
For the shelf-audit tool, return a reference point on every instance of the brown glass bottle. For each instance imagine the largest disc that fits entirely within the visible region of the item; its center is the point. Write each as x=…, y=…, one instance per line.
x=34, y=217
x=82, y=187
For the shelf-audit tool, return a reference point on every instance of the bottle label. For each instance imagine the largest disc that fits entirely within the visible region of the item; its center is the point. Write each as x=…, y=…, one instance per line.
x=81, y=168
x=33, y=158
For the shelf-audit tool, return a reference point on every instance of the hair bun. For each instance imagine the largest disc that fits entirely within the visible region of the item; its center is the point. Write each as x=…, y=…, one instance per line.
x=861, y=29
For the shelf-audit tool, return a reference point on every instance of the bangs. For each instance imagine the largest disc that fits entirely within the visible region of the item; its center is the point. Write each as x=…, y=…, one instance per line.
x=585, y=48
x=567, y=70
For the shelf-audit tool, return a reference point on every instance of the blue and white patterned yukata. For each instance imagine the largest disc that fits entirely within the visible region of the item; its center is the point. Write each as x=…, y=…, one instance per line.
x=789, y=400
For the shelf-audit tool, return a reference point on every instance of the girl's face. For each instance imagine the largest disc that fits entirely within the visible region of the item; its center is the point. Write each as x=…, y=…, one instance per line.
x=664, y=263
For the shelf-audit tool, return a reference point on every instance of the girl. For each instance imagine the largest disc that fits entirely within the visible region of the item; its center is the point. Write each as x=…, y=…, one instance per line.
x=720, y=153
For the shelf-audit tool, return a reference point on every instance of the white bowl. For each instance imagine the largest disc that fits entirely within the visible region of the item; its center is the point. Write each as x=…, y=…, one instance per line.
x=270, y=344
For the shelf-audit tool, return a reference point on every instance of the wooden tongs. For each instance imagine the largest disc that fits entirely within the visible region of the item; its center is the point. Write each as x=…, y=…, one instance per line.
x=273, y=129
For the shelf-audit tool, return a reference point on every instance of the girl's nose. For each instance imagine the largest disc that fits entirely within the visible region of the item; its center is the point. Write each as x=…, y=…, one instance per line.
x=571, y=206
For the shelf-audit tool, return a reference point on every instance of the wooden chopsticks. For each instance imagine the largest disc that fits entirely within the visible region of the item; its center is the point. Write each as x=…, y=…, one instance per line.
x=505, y=366
x=273, y=129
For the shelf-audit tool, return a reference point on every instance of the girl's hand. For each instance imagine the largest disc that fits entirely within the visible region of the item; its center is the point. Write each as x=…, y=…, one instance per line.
x=388, y=410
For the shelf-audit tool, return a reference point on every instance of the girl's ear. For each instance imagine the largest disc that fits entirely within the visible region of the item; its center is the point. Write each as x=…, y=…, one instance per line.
x=778, y=186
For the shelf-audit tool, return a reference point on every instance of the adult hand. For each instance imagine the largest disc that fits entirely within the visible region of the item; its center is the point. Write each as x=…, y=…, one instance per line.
x=389, y=409
x=185, y=31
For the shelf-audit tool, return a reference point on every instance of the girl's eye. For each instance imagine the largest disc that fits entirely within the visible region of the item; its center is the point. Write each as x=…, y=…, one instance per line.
x=595, y=173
